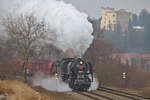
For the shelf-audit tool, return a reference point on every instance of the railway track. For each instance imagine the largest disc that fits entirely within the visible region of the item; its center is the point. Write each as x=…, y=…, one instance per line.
x=98, y=96
x=95, y=96
x=123, y=94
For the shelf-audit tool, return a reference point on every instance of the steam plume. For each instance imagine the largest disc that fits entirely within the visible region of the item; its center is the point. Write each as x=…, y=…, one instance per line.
x=72, y=27
x=49, y=83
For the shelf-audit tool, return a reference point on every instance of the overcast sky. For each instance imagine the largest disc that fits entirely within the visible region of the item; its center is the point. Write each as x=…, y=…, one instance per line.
x=93, y=7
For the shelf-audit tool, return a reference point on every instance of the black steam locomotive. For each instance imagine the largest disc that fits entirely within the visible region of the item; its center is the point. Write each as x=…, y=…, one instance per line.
x=76, y=72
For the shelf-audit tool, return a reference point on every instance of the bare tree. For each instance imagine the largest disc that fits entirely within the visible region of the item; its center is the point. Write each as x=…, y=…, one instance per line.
x=24, y=31
x=99, y=50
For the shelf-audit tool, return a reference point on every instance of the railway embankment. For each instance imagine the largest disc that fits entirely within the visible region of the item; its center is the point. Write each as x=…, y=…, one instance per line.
x=17, y=90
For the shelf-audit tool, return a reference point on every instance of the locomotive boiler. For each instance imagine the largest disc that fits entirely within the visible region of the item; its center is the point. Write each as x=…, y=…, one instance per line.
x=76, y=72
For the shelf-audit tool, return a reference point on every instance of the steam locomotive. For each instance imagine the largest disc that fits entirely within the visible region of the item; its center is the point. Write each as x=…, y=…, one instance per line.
x=74, y=71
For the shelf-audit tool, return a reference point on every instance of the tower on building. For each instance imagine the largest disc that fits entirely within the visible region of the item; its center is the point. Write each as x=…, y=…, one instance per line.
x=112, y=18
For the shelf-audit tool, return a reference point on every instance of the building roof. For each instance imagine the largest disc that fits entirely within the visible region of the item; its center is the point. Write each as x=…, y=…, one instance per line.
x=131, y=55
x=108, y=8
x=138, y=27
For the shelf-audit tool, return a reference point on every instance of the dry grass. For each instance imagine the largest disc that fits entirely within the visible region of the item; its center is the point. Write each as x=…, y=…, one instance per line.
x=17, y=90
x=146, y=92
x=53, y=95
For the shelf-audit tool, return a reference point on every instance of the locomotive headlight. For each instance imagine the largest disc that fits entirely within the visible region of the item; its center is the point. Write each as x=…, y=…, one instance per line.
x=81, y=62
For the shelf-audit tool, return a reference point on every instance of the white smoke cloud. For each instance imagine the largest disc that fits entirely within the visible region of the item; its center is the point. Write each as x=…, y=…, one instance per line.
x=56, y=84
x=94, y=84
x=49, y=83
x=72, y=27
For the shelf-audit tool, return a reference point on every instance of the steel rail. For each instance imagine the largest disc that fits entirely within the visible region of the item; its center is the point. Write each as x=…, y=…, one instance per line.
x=131, y=94
x=89, y=96
x=99, y=95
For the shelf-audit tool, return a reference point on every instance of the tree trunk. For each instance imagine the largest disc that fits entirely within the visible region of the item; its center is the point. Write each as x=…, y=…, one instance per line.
x=26, y=67
x=25, y=71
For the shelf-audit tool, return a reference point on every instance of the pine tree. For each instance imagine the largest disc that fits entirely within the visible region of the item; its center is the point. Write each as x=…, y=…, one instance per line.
x=135, y=21
x=142, y=17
